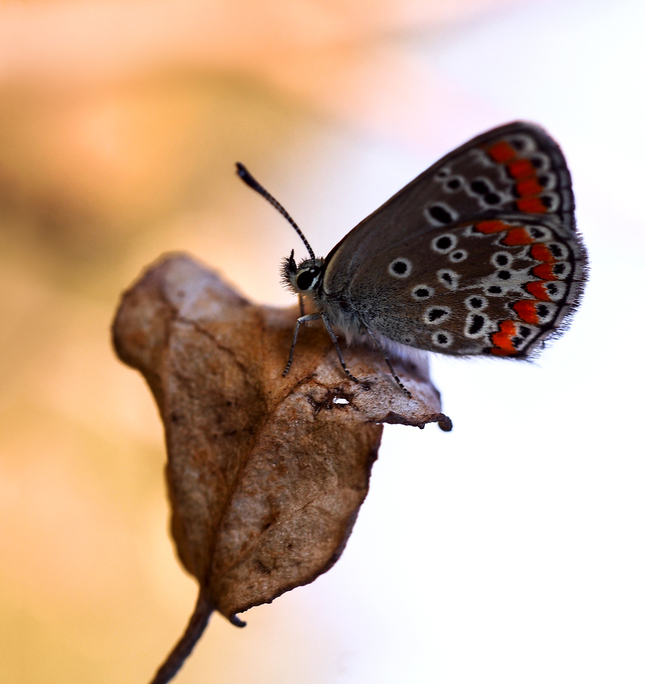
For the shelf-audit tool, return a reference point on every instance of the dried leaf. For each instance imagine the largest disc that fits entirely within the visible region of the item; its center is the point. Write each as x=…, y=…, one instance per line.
x=265, y=473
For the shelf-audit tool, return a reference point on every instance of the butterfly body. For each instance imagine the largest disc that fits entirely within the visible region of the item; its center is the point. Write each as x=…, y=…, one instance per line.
x=476, y=256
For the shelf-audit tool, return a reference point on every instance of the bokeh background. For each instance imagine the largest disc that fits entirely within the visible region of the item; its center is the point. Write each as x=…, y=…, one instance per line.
x=510, y=550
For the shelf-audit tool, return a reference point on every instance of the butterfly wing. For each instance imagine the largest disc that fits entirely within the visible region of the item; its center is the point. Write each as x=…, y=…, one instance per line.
x=477, y=255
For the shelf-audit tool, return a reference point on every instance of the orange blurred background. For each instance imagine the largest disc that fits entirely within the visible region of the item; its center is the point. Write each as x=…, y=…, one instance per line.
x=120, y=124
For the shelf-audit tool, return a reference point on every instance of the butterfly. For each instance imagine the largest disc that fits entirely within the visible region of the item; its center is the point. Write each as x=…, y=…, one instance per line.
x=477, y=256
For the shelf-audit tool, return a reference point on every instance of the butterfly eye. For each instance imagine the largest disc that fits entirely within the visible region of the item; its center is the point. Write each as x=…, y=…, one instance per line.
x=306, y=279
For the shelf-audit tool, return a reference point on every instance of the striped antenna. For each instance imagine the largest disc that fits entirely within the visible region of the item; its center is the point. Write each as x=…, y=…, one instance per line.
x=243, y=173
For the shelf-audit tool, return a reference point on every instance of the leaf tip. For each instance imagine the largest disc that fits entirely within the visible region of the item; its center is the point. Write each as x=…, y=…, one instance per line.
x=235, y=621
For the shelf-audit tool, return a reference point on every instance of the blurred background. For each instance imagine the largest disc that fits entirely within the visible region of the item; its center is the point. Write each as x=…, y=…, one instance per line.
x=510, y=550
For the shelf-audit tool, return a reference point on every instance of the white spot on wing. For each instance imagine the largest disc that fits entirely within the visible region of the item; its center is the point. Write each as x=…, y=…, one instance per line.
x=442, y=338
x=434, y=315
x=422, y=292
x=448, y=278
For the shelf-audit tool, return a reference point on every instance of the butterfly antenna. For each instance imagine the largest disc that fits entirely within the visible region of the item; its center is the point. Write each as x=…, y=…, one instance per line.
x=243, y=173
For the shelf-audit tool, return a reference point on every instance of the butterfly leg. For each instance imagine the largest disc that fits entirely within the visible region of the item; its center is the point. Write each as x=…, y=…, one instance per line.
x=301, y=301
x=334, y=339
x=299, y=322
x=389, y=364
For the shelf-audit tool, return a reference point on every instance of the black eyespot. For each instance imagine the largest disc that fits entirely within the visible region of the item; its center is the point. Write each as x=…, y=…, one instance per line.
x=556, y=250
x=475, y=302
x=447, y=277
x=477, y=323
x=559, y=268
x=444, y=242
x=518, y=143
x=537, y=233
x=479, y=187
x=492, y=198
x=501, y=259
x=504, y=275
x=399, y=267
x=542, y=310
x=435, y=314
x=440, y=214
x=442, y=339
x=454, y=183
x=538, y=162
x=543, y=180
x=524, y=331
x=494, y=289
x=421, y=292
x=547, y=201
x=552, y=288
x=457, y=255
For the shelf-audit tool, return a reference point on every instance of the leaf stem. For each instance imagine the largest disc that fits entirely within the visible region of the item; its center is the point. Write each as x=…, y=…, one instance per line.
x=197, y=624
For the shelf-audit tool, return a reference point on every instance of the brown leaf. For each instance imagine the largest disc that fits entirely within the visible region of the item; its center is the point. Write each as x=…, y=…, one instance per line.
x=265, y=473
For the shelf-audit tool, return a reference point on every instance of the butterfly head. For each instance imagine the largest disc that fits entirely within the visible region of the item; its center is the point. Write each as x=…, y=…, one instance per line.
x=303, y=278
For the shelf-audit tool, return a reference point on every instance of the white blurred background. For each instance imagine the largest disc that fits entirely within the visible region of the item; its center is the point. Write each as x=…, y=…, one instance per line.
x=510, y=550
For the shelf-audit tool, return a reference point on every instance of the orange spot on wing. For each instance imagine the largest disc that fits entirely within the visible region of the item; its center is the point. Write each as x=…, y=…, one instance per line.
x=530, y=186
x=521, y=169
x=542, y=253
x=544, y=271
x=503, y=340
x=517, y=236
x=538, y=290
x=501, y=152
x=531, y=205
x=491, y=226
x=527, y=311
